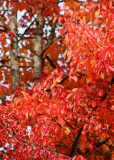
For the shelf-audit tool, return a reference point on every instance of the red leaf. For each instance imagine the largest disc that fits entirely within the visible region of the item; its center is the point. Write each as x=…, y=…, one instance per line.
x=78, y=157
x=54, y=20
x=8, y=32
x=26, y=96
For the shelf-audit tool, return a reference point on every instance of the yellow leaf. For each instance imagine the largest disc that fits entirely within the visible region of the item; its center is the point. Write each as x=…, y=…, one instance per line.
x=67, y=131
x=102, y=75
x=26, y=114
x=97, y=13
x=104, y=7
x=84, y=18
x=112, y=108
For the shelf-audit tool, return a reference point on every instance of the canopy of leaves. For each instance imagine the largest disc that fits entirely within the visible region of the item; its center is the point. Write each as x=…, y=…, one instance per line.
x=69, y=112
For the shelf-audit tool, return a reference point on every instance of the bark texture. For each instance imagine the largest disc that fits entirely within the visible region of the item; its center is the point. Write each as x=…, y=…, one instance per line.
x=37, y=57
x=14, y=52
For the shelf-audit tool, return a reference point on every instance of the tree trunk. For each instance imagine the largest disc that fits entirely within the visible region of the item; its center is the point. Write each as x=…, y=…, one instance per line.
x=14, y=52
x=37, y=57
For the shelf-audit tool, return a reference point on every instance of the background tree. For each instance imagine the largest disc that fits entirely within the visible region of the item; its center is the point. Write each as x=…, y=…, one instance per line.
x=75, y=100
x=21, y=54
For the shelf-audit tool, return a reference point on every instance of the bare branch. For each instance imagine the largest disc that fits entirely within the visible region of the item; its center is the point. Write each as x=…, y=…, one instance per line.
x=27, y=29
x=29, y=36
x=29, y=58
x=25, y=66
x=20, y=56
x=5, y=66
x=5, y=60
x=8, y=66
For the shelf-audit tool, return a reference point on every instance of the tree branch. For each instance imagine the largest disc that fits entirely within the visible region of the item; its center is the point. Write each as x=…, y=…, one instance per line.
x=96, y=145
x=5, y=60
x=25, y=66
x=81, y=73
x=50, y=43
x=28, y=36
x=5, y=25
x=27, y=29
x=20, y=56
x=29, y=58
x=51, y=63
x=5, y=66
x=101, y=141
x=8, y=66
x=75, y=142
x=109, y=89
x=105, y=95
x=68, y=123
x=51, y=37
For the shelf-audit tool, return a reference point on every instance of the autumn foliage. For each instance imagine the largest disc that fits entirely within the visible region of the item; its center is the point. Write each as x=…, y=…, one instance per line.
x=68, y=115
